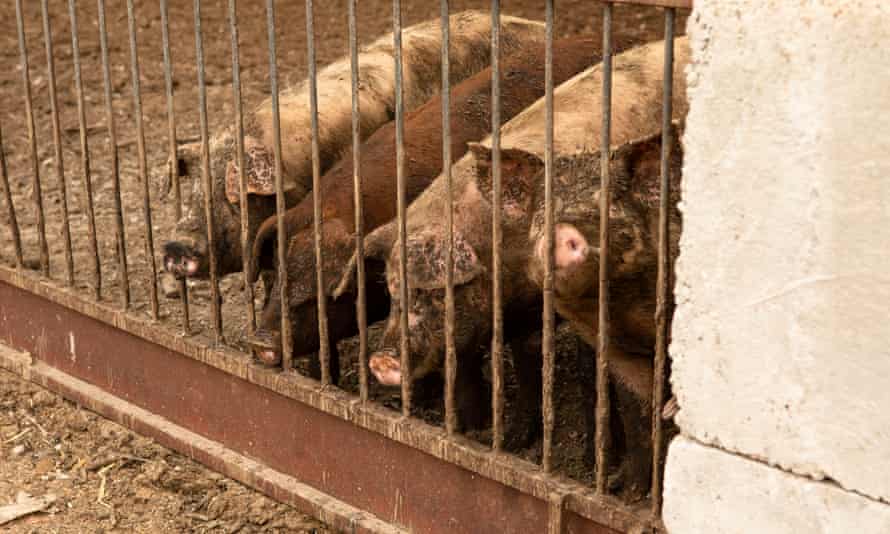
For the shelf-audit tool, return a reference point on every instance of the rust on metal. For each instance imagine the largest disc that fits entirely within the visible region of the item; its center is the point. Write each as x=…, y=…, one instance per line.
x=404, y=347
x=324, y=351
x=58, y=160
x=683, y=4
x=24, y=298
x=36, y=191
x=405, y=460
x=120, y=236
x=143, y=164
x=209, y=217
x=497, y=238
x=286, y=341
x=450, y=350
x=602, y=363
x=360, y=299
x=548, y=342
x=10, y=206
x=664, y=268
x=85, y=155
x=172, y=159
x=242, y=177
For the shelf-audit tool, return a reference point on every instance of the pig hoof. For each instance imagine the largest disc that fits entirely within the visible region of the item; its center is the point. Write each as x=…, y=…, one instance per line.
x=180, y=260
x=386, y=368
x=265, y=345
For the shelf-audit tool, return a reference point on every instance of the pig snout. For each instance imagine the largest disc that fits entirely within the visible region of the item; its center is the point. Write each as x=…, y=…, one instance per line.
x=386, y=367
x=266, y=346
x=183, y=260
x=571, y=248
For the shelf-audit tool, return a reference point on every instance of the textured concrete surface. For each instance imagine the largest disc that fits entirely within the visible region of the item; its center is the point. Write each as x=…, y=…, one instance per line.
x=712, y=492
x=781, y=340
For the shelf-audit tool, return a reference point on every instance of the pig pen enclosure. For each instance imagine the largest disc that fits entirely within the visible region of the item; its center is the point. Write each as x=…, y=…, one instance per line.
x=90, y=194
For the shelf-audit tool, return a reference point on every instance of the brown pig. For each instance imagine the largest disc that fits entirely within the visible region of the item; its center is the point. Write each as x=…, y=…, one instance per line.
x=636, y=106
x=186, y=254
x=522, y=83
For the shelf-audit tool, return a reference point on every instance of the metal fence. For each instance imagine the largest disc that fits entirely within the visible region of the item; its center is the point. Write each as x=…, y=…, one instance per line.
x=492, y=463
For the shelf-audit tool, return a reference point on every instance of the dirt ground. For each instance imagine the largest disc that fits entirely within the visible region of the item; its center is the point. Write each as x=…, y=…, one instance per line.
x=108, y=479
x=374, y=18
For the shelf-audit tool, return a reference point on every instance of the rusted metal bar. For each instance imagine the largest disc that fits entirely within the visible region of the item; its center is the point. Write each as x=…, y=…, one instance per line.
x=171, y=152
x=242, y=177
x=120, y=235
x=404, y=348
x=556, y=512
x=337, y=514
x=497, y=238
x=664, y=267
x=171, y=114
x=143, y=164
x=37, y=317
x=602, y=363
x=450, y=350
x=324, y=351
x=57, y=143
x=37, y=194
x=85, y=155
x=10, y=206
x=215, y=301
x=360, y=299
x=548, y=342
x=286, y=341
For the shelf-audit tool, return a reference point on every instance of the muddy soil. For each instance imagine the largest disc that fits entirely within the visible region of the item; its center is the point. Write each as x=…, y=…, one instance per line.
x=108, y=479
x=575, y=390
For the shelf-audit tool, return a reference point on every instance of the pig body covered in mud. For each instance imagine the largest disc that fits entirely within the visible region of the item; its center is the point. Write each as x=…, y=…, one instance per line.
x=187, y=254
x=522, y=82
x=636, y=113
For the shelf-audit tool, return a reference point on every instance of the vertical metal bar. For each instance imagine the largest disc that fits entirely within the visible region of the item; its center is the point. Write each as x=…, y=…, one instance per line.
x=215, y=302
x=286, y=341
x=549, y=360
x=172, y=157
x=143, y=165
x=37, y=194
x=450, y=350
x=664, y=265
x=85, y=154
x=57, y=143
x=171, y=117
x=403, y=229
x=10, y=207
x=120, y=235
x=361, y=301
x=556, y=514
x=497, y=237
x=239, y=155
x=324, y=352
x=602, y=369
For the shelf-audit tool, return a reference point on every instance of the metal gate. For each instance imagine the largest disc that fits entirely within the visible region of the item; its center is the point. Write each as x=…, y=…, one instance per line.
x=92, y=337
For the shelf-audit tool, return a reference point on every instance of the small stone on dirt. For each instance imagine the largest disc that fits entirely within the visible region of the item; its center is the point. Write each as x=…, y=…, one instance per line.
x=44, y=466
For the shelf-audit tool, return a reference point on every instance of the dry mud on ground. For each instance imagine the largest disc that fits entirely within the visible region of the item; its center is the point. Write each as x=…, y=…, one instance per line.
x=107, y=479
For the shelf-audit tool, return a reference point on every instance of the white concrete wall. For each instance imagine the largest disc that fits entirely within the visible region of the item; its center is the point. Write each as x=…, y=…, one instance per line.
x=781, y=340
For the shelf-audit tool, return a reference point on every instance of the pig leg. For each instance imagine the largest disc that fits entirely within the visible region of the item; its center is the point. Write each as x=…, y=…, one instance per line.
x=472, y=395
x=315, y=364
x=527, y=360
x=631, y=381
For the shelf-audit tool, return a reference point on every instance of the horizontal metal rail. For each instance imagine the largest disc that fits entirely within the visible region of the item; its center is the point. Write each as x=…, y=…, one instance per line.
x=184, y=359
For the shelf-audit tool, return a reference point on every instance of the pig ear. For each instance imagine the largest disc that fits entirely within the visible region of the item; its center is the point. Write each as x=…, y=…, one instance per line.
x=259, y=163
x=520, y=172
x=427, y=257
x=641, y=158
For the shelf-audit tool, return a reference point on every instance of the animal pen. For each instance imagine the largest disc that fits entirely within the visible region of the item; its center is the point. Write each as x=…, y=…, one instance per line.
x=91, y=323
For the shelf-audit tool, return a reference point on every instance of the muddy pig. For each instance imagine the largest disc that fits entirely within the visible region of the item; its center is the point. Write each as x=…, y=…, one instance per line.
x=522, y=82
x=186, y=254
x=637, y=83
